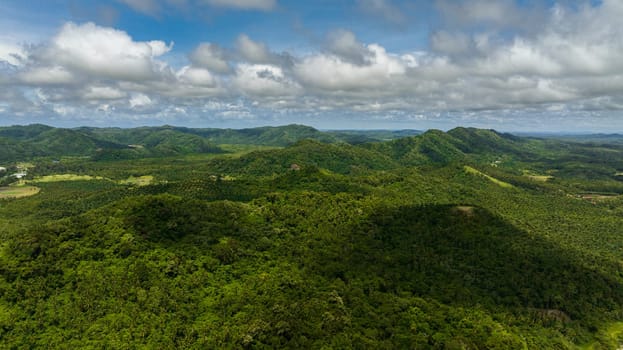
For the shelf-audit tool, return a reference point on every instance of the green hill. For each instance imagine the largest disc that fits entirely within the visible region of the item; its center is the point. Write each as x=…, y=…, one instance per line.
x=27, y=142
x=19, y=132
x=467, y=239
x=433, y=146
x=339, y=158
x=269, y=136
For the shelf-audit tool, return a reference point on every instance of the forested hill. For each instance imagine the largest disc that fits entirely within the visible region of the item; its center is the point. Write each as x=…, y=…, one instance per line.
x=435, y=146
x=340, y=151
x=466, y=239
x=32, y=141
x=27, y=142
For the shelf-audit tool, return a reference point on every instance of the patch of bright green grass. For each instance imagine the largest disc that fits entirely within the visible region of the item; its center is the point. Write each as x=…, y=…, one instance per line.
x=470, y=170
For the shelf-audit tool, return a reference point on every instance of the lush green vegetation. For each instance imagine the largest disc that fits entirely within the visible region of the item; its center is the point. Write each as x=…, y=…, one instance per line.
x=41, y=141
x=469, y=239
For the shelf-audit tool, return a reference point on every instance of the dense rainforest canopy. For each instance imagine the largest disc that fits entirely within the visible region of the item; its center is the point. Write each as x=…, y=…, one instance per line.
x=290, y=237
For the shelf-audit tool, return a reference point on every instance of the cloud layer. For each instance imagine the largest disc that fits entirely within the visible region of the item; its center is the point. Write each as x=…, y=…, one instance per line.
x=573, y=63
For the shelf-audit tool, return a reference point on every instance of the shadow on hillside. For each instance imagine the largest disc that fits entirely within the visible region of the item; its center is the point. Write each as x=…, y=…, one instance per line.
x=466, y=256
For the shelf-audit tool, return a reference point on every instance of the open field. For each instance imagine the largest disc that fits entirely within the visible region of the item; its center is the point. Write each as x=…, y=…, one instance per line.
x=598, y=197
x=132, y=180
x=18, y=191
x=500, y=183
x=536, y=177
x=137, y=181
x=66, y=177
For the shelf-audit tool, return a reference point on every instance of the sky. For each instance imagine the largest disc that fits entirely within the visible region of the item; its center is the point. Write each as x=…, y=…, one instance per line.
x=509, y=65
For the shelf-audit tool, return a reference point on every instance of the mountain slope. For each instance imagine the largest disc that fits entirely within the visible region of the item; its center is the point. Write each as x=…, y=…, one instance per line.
x=339, y=158
x=26, y=142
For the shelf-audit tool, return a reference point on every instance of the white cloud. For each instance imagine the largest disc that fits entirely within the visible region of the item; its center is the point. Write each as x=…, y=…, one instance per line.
x=210, y=56
x=263, y=80
x=574, y=59
x=588, y=42
x=64, y=110
x=47, y=76
x=344, y=44
x=252, y=51
x=520, y=57
x=101, y=52
x=103, y=93
x=140, y=100
x=264, y=5
x=196, y=76
x=330, y=72
x=11, y=53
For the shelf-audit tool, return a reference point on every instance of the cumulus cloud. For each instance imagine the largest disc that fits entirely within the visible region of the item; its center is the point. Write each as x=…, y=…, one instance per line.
x=263, y=80
x=252, y=51
x=210, y=56
x=332, y=72
x=102, y=52
x=11, y=53
x=345, y=45
x=196, y=76
x=103, y=93
x=47, y=76
x=86, y=63
x=140, y=100
x=573, y=63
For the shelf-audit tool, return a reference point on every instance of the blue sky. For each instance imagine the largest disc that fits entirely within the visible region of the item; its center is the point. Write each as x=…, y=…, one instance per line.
x=512, y=65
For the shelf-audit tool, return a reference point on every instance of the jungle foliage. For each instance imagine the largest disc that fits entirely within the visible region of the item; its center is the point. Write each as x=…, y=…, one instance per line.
x=324, y=244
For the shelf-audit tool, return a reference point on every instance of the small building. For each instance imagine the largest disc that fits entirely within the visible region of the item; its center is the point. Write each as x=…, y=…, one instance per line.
x=2, y=169
x=19, y=176
x=295, y=167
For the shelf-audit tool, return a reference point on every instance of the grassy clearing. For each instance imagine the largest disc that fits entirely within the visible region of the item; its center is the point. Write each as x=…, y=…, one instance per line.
x=598, y=197
x=540, y=178
x=137, y=181
x=536, y=177
x=470, y=170
x=25, y=165
x=18, y=191
x=132, y=180
x=66, y=177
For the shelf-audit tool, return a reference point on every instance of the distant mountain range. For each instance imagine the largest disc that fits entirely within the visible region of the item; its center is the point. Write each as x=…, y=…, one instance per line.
x=26, y=142
x=339, y=151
